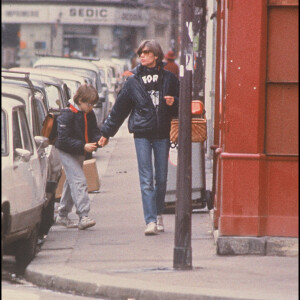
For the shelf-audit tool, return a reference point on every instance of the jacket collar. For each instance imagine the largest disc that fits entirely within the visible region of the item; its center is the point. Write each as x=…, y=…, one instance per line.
x=139, y=68
x=73, y=106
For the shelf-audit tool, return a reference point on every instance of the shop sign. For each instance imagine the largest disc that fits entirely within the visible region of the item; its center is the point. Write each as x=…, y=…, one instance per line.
x=96, y=15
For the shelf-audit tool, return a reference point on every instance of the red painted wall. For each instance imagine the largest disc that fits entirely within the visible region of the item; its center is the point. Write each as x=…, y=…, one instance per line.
x=256, y=190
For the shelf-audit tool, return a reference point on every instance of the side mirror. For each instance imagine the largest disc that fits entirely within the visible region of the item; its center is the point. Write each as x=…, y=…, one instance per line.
x=23, y=154
x=41, y=141
x=101, y=97
x=99, y=103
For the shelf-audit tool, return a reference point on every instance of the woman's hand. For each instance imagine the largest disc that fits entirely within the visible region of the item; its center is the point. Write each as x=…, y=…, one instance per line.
x=169, y=100
x=90, y=147
x=103, y=141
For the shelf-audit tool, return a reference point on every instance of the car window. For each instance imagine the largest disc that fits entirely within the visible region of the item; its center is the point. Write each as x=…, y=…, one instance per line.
x=25, y=132
x=102, y=75
x=40, y=115
x=54, y=97
x=72, y=86
x=17, y=140
x=4, y=142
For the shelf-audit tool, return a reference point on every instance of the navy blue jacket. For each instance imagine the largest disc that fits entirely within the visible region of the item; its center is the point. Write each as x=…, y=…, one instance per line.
x=144, y=120
x=71, y=130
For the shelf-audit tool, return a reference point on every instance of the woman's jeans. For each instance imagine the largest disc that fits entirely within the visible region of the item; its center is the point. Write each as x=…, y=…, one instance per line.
x=153, y=196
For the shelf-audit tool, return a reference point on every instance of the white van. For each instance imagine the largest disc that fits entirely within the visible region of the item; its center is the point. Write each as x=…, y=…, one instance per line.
x=22, y=191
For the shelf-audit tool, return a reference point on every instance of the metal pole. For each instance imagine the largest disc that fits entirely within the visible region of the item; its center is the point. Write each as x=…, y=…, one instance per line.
x=174, y=28
x=199, y=47
x=182, y=258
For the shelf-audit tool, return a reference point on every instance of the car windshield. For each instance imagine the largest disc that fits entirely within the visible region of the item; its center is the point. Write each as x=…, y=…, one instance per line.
x=4, y=143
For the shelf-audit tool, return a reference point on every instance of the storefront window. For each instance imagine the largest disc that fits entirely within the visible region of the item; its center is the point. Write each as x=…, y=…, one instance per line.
x=80, y=41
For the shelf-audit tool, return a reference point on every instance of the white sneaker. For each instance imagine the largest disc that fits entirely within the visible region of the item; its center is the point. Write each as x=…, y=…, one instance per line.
x=86, y=222
x=151, y=229
x=65, y=221
x=160, y=224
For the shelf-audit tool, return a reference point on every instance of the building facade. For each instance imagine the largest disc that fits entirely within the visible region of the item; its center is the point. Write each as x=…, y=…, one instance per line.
x=83, y=28
x=256, y=165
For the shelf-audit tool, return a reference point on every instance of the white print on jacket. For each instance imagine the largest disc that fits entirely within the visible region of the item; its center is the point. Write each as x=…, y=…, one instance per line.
x=155, y=97
x=150, y=78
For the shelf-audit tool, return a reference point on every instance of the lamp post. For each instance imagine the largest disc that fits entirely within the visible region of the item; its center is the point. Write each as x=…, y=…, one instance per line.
x=182, y=258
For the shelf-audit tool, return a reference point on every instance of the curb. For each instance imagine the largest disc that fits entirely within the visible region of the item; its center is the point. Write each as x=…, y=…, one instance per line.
x=100, y=285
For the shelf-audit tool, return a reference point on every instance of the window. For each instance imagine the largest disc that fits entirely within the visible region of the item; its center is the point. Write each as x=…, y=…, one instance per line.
x=54, y=98
x=17, y=140
x=160, y=30
x=72, y=86
x=39, y=45
x=40, y=115
x=25, y=132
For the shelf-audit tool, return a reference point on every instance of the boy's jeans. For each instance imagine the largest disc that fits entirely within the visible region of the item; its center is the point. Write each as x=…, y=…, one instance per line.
x=153, y=197
x=75, y=190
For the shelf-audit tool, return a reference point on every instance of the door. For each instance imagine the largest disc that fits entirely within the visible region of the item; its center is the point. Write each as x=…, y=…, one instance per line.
x=26, y=175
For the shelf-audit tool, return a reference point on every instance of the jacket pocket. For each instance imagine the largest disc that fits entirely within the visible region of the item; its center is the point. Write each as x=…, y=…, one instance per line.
x=142, y=120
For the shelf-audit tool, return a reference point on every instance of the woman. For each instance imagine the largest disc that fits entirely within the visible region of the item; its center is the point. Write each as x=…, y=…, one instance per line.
x=150, y=96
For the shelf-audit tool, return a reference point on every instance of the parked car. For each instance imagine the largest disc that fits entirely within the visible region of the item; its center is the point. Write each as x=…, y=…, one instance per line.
x=107, y=79
x=22, y=192
x=49, y=157
x=76, y=65
x=58, y=93
x=56, y=90
x=73, y=81
x=117, y=71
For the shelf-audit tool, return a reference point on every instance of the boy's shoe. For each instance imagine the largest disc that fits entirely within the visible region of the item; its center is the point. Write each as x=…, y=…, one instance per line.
x=86, y=222
x=160, y=224
x=151, y=229
x=65, y=221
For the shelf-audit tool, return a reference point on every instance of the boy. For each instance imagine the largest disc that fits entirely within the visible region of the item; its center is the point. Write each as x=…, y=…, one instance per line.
x=77, y=134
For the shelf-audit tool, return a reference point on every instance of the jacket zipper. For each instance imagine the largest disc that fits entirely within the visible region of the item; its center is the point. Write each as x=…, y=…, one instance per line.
x=149, y=98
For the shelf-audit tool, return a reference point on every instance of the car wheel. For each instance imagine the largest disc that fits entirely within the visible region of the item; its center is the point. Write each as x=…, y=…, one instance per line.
x=26, y=250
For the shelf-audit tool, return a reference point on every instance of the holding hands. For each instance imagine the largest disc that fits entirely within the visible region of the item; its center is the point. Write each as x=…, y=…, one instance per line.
x=90, y=147
x=103, y=141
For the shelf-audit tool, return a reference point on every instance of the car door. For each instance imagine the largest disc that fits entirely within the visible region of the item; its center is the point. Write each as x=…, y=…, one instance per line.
x=28, y=187
x=38, y=116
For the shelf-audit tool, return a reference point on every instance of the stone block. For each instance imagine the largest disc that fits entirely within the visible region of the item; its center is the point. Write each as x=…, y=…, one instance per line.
x=236, y=245
x=282, y=246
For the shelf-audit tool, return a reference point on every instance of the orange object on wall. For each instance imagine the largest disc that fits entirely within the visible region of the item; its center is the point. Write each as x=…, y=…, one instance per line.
x=197, y=107
x=23, y=45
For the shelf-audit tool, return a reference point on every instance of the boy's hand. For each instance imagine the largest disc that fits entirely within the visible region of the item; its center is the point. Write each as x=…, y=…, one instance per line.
x=90, y=147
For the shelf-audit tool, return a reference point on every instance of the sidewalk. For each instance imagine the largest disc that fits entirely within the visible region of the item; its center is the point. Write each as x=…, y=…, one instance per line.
x=115, y=260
